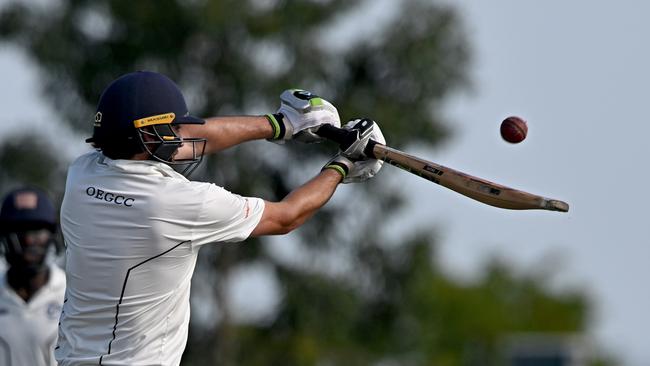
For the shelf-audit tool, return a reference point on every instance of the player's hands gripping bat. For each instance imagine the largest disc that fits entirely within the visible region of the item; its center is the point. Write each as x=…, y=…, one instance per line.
x=351, y=161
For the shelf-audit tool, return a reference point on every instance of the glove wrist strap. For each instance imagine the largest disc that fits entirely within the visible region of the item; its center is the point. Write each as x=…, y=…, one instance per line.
x=339, y=167
x=277, y=123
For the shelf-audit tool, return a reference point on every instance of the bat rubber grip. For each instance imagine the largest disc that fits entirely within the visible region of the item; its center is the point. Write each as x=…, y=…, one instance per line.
x=343, y=137
x=339, y=135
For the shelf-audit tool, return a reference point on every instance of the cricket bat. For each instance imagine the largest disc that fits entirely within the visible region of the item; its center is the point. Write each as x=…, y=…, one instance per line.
x=479, y=189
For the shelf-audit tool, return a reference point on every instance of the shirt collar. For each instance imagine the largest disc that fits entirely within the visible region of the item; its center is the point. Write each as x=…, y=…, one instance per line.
x=146, y=167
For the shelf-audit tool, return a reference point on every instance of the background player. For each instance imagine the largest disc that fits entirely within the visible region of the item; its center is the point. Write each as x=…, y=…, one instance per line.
x=31, y=290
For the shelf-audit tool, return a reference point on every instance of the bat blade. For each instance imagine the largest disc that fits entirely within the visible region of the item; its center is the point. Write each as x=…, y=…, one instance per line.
x=476, y=188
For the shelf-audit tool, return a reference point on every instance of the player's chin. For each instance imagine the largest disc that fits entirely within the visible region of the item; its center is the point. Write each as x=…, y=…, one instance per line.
x=34, y=259
x=182, y=153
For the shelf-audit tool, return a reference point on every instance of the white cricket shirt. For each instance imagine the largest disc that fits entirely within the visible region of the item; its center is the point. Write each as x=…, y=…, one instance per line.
x=28, y=329
x=132, y=231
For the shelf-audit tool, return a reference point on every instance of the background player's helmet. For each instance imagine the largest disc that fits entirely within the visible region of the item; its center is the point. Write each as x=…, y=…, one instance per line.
x=27, y=226
x=136, y=113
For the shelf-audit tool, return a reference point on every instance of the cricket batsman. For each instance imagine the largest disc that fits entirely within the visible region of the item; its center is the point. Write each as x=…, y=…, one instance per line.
x=31, y=290
x=133, y=225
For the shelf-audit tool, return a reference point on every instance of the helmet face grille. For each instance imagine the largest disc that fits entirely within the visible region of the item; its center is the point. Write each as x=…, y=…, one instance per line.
x=28, y=223
x=162, y=144
x=28, y=256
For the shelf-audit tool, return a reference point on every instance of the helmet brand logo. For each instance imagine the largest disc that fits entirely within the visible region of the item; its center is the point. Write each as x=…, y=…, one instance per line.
x=160, y=119
x=98, y=119
x=26, y=201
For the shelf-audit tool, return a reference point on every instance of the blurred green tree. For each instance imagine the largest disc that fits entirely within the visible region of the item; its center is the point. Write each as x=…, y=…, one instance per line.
x=26, y=158
x=236, y=56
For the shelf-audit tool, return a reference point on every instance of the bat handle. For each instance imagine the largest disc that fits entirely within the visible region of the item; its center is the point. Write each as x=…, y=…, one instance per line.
x=344, y=137
x=339, y=135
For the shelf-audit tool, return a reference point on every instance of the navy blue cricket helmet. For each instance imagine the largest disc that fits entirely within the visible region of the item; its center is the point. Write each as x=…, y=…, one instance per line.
x=136, y=113
x=27, y=209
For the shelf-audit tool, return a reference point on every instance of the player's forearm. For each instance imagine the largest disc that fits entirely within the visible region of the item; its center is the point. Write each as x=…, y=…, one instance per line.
x=308, y=198
x=299, y=205
x=224, y=132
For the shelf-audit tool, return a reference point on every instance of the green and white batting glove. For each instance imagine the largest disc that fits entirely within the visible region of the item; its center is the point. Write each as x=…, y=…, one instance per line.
x=352, y=163
x=366, y=130
x=354, y=171
x=300, y=114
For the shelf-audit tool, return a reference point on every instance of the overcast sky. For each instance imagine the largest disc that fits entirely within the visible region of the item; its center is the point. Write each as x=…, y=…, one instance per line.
x=579, y=72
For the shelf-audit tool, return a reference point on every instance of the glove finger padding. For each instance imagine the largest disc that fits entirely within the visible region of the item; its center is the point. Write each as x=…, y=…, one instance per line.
x=301, y=114
x=366, y=130
x=363, y=170
x=328, y=115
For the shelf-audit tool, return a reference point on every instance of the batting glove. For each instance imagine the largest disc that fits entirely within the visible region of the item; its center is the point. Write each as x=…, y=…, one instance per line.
x=353, y=164
x=365, y=130
x=299, y=116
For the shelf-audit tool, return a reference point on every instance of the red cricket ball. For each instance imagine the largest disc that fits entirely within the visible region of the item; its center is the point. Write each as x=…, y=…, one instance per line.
x=514, y=129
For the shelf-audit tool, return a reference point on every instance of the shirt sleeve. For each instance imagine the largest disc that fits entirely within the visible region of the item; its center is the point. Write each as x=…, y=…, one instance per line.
x=225, y=216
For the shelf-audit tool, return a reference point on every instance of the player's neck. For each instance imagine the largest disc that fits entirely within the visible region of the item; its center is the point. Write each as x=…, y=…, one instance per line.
x=141, y=156
x=27, y=283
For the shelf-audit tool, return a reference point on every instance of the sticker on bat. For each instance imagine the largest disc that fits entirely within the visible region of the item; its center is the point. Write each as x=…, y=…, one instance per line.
x=416, y=172
x=489, y=190
x=433, y=170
